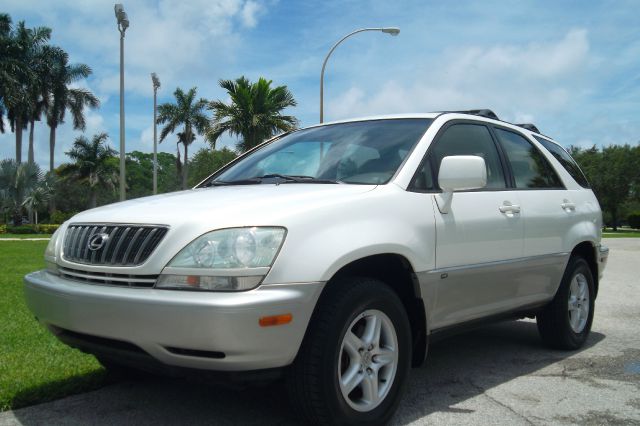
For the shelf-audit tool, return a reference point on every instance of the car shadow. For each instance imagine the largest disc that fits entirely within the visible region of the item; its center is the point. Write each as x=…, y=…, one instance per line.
x=458, y=368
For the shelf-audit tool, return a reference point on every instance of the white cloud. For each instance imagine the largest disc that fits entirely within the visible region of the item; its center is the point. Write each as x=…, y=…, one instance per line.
x=250, y=13
x=514, y=80
x=181, y=41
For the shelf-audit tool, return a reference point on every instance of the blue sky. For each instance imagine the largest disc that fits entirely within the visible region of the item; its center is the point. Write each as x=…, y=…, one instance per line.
x=571, y=67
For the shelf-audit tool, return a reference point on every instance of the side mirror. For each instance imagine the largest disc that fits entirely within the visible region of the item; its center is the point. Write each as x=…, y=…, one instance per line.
x=459, y=173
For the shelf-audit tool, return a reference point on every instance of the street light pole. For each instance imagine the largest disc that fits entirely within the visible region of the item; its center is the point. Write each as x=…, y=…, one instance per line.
x=388, y=30
x=123, y=24
x=156, y=86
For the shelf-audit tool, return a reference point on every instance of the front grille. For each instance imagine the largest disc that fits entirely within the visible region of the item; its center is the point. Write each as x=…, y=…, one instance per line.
x=100, y=278
x=126, y=245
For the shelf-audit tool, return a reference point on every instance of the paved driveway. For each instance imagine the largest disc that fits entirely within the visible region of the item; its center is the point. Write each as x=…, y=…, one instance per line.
x=499, y=374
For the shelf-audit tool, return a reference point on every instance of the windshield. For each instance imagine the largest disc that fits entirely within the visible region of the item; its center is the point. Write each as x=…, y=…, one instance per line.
x=363, y=152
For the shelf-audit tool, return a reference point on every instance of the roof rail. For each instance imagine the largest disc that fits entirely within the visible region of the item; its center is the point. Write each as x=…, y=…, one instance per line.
x=529, y=126
x=487, y=113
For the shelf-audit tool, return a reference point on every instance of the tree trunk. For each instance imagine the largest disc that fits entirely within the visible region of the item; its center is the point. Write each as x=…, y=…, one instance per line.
x=52, y=146
x=185, y=168
x=31, y=125
x=18, y=141
x=614, y=218
x=178, y=166
x=36, y=217
x=93, y=198
x=17, y=216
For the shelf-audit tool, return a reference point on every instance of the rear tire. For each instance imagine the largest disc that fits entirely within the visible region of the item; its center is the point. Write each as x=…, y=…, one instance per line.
x=565, y=322
x=353, y=362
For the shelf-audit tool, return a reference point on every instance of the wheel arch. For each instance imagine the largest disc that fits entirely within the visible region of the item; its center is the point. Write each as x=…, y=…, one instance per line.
x=397, y=272
x=587, y=251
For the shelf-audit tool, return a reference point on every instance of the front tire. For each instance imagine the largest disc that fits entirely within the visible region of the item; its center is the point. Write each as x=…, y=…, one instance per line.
x=565, y=322
x=354, y=360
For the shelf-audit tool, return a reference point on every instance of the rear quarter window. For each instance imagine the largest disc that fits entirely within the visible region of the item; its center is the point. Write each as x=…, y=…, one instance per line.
x=566, y=160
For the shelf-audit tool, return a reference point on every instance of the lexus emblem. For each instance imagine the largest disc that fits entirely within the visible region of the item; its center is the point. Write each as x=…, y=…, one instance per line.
x=97, y=241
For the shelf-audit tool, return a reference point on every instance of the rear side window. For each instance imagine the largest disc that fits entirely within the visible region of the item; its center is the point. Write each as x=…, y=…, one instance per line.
x=566, y=160
x=530, y=168
x=470, y=139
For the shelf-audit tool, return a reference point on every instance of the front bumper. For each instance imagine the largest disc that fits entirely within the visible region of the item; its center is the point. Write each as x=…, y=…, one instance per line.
x=180, y=328
x=603, y=255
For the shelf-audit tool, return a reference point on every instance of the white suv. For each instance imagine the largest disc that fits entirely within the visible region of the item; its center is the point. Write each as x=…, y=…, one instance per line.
x=331, y=255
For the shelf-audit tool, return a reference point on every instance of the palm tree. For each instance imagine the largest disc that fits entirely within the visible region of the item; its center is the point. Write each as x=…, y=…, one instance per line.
x=17, y=180
x=40, y=88
x=38, y=197
x=94, y=164
x=6, y=63
x=24, y=45
x=63, y=97
x=188, y=113
x=254, y=114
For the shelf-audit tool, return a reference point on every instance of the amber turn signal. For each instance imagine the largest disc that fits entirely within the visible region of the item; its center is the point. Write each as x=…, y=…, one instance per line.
x=275, y=320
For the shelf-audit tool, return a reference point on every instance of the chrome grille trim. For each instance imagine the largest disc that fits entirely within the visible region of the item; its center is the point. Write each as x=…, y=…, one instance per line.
x=127, y=245
x=100, y=278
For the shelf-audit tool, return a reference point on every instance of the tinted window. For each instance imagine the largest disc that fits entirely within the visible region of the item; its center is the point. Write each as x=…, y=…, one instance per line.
x=469, y=139
x=530, y=168
x=565, y=159
x=367, y=152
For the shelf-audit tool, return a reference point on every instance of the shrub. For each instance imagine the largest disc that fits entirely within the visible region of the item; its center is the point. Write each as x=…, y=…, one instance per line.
x=3, y=229
x=47, y=228
x=30, y=229
x=22, y=229
x=61, y=217
x=634, y=220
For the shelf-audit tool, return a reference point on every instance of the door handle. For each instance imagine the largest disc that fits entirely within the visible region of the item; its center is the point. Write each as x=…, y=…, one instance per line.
x=509, y=208
x=568, y=206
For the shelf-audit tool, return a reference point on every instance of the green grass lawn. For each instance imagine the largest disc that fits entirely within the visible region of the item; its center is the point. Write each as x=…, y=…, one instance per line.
x=23, y=236
x=34, y=366
x=621, y=233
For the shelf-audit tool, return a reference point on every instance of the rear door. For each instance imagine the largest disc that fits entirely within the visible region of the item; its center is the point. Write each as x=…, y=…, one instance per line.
x=547, y=209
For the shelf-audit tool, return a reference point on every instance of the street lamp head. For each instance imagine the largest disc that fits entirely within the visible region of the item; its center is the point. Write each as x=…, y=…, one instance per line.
x=121, y=16
x=391, y=30
x=155, y=80
x=125, y=21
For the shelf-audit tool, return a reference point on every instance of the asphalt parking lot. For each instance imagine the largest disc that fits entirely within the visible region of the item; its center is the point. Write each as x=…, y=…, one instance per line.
x=499, y=374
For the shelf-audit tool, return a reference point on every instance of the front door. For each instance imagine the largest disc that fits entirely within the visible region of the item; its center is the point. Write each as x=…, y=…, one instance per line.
x=479, y=241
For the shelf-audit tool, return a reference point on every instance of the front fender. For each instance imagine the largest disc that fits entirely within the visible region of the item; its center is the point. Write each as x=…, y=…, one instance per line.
x=388, y=220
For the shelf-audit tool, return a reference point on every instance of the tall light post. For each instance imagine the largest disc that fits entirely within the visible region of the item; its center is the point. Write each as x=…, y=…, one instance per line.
x=156, y=85
x=388, y=30
x=123, y=24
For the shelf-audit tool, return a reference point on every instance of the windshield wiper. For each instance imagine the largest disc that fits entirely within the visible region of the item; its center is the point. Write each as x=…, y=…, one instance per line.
x=259, y=179
x=252, y=181
x=297, y=178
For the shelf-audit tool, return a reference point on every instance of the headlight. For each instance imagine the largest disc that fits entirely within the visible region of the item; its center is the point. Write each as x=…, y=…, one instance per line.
x=233, y=259
x=50, y=253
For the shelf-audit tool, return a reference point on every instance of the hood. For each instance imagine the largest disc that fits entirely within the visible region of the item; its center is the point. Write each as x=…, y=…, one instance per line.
x=224, y=206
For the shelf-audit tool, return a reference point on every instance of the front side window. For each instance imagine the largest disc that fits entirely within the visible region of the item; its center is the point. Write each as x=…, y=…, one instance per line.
x=463, y=139
x=565, y=159
x=364, y=152
x=530, y=168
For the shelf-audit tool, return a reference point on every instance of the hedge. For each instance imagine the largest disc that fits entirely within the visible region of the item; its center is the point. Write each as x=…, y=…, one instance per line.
x=634, y=220
x=29, y=229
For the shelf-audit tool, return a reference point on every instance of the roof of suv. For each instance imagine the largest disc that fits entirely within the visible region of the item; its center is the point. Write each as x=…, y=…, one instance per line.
x=476, y=113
